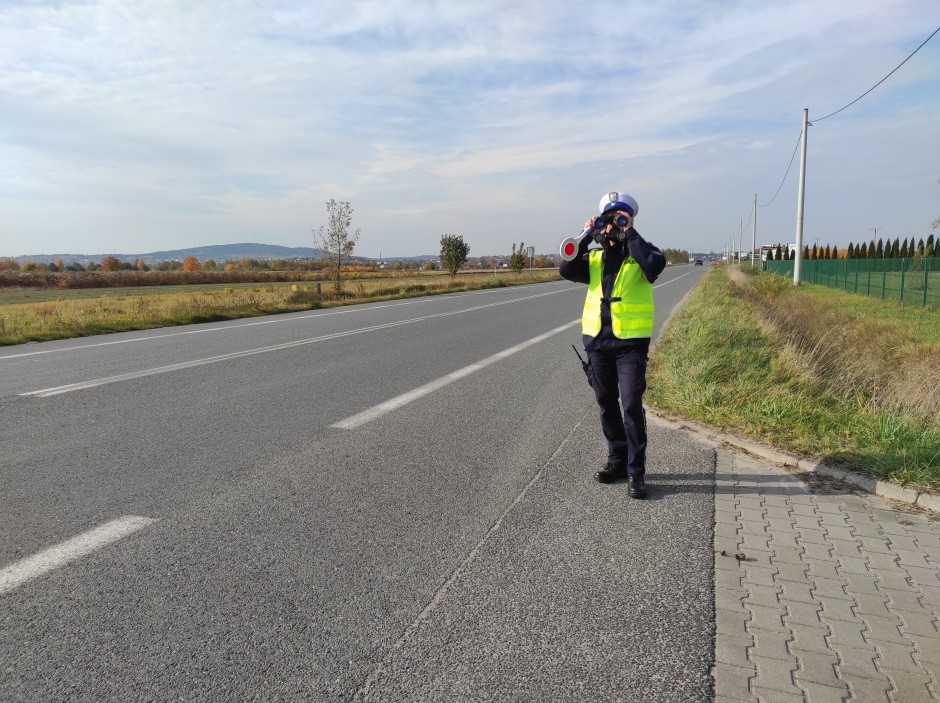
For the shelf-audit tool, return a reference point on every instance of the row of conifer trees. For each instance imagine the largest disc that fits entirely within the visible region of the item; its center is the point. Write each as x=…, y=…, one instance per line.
x=882, y=250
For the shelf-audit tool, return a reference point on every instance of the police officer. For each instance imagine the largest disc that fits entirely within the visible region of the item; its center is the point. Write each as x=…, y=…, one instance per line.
x=617, y=324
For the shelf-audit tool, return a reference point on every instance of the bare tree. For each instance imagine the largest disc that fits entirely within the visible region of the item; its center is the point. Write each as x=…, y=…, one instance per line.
x=336, y=240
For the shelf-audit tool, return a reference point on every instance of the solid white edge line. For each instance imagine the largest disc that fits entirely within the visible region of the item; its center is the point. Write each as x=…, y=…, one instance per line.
x=49, y=392
x=283, y=317
x=293, y=317
x=77, y=547
x=673, y=280
x=388, y=406
x=82, y=385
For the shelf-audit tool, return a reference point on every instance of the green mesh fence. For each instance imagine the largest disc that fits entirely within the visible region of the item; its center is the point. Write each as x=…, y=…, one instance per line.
x=912, y=281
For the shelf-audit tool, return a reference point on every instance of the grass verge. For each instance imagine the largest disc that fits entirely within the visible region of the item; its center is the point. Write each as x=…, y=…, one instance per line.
x=80, y=314
x=811, y=370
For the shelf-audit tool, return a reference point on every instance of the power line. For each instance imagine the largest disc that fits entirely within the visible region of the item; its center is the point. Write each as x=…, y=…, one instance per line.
x=787, y=173
x=879, y=82
x=800, y=139
x=795, y=148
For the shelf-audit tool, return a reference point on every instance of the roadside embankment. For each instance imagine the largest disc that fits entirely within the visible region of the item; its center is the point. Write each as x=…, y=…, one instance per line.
x=831, y=377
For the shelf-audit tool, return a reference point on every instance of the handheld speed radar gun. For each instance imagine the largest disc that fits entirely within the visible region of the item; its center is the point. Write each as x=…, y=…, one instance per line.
x=610, y=208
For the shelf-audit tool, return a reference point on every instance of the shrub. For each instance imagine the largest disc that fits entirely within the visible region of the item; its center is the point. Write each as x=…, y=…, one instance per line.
x=305, y=297
x=770, y=285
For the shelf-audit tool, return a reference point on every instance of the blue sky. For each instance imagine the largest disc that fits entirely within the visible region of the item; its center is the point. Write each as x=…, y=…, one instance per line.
x=131, y=127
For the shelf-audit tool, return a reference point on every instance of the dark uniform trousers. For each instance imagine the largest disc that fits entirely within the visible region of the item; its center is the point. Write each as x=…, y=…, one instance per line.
x=626, y=431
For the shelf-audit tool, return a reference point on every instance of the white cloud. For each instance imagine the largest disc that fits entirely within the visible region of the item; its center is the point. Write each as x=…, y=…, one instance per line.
x=209, y=119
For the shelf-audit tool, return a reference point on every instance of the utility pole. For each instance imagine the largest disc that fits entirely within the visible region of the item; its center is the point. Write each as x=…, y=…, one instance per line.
x=798, y=258
x=754, y=230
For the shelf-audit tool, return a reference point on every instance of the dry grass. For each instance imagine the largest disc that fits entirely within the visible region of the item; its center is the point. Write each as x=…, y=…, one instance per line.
x=67, y=317
x=866, y=355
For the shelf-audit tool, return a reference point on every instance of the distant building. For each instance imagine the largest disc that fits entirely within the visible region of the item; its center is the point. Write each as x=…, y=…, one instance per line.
x=785, y=250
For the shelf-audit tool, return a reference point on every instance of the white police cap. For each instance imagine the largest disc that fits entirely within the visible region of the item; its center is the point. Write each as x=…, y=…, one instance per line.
x=618, y=200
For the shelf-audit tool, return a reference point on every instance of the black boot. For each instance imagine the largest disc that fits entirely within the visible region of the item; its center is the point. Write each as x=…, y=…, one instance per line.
x=637, y=486
x=610, y=473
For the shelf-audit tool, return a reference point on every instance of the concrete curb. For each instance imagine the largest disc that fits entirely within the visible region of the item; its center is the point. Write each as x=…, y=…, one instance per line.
x=926, y=501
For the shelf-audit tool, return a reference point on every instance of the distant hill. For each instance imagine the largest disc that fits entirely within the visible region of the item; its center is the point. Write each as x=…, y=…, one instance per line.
x=217, y=252
x=222, y=252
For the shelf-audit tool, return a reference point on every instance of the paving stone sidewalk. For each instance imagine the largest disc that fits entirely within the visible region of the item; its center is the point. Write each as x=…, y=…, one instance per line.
x=821, y=594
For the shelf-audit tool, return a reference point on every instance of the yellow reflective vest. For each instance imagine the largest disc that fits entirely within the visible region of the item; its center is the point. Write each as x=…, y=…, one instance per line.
x=631, y=300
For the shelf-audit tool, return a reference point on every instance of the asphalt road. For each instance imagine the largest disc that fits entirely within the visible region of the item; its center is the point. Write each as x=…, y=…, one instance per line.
x=450, y=546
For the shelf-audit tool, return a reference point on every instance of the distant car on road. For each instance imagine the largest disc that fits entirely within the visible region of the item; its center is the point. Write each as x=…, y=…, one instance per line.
x=698, y=262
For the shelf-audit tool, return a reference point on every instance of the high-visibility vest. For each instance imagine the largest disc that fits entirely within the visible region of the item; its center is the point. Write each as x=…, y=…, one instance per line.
x=631, y=300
